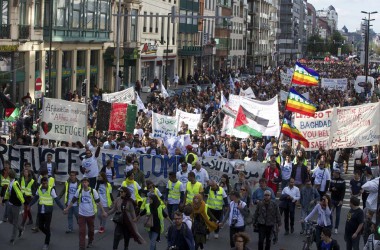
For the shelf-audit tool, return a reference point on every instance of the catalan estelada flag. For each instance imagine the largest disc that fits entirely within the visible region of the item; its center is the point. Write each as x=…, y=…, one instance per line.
x=291, y=131
x=305, y=76
x=298, y=103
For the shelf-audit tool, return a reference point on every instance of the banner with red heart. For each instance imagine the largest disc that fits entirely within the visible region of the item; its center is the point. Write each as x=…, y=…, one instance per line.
x=46, y=127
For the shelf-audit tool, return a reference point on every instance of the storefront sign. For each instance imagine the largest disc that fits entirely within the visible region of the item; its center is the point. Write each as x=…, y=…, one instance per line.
x=8, y=48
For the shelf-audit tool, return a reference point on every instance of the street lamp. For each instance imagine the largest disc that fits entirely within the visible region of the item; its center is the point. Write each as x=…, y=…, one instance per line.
x=167, y=51
x=366, y=42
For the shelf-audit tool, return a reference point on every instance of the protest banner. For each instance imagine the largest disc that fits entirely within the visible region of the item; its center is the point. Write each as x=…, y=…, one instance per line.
x=217, y=166
x=124, y=96
x=286, y=78
x=334, y=84
x=64, y=121
x=163, y=125
x=265, y=109
x=355, y=126
x=174, y=142
x=247, y=93
x=316, y=129
x=188, y=118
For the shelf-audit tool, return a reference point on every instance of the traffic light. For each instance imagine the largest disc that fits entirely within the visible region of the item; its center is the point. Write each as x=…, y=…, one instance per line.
x=84, y=88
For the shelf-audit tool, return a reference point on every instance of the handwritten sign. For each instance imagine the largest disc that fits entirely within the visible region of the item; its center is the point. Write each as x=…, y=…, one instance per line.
x=286, y=78
x=334, y=84
x=315, y=129
x=64, y=120
x=163, y=125
x=124, y=96
x=355, y=126
x=188, y=118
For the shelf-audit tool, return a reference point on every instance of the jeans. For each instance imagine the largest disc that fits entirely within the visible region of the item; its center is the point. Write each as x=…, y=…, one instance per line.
x=6, y=211
x=234, y=230
x=265, y=233
x=288, y=214
x=121, y=231
x=171, y=209
x=44, y=225
x=153, y=240
x=82, y=222
x=102, y=220
x=352, y=244
x=13, y=217
x=337, y=213
x=73, y=211
x=304, y=213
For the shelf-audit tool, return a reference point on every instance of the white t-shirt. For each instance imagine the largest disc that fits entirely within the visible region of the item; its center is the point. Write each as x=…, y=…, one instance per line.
x=286, y=170
x=49, y=168
x=128, y=168
x=210, y=153
x=201, y=176
x=73, y=187
x=131, y=188
x=53, y=194
x=235, y=213
x=86, y=208
x=321, y=176
x=139, y=132
x=90, y=164
x=182, y=188
x=103, y=195
x=182, y=176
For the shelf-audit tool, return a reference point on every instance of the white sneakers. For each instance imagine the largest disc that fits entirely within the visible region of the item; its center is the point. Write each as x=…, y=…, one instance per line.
x=216, y=236
x=335, y=231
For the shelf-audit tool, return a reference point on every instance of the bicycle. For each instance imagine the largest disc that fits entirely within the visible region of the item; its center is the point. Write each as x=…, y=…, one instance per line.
x=310, y=235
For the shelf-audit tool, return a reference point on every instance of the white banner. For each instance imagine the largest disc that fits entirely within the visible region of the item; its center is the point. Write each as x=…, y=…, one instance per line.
x=188, y=118
x=247, y=93
x=355, y=126
x=265, y=109
x=286, y=78
x=163, y=125
x=124, y=96
x=315, y=129
x=217, y=166
x=174, y=142
x=64, y=120
x=334, y=84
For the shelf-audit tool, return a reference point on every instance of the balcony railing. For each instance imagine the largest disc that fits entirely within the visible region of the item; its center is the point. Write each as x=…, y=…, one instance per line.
x=5, y=31
x=24, y=31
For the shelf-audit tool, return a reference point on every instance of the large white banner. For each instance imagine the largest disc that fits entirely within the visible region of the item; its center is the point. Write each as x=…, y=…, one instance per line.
x=163, y=125
x=124, y=96
x=247, y=93
x=265, y=109
x=315, y=129
x=188, y=118
x=63, y=120
x=355, y=126
x=286, y=78
x=334, y=84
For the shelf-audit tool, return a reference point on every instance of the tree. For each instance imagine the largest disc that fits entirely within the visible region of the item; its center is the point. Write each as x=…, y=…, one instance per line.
x=337, y=41
x=316, y=45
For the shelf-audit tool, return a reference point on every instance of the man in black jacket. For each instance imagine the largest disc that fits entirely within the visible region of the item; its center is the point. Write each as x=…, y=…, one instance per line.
x=338, y=190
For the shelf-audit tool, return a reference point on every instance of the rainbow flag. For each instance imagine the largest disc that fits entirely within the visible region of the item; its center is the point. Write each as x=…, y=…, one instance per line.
x=305, y=76
x=291, y=131
x=298, y=103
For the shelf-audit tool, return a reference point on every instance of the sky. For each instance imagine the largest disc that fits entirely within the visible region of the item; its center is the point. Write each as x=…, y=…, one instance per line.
x=349, y=12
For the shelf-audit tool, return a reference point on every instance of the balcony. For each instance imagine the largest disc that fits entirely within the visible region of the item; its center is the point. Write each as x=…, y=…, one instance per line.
x=23, y=31
x=5, y=31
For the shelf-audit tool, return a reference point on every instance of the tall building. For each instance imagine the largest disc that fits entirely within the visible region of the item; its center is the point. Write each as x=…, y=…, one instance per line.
x=223, y=28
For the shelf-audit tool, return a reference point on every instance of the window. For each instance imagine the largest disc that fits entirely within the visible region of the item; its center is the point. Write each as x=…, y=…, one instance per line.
x=37, y=13
x=22, y=11
x=90, y=21
x=133, y=32
x=104, y=14
x=77, y=10
x=37, y=61
x=4, y=14
x=182, y=19
x=151, y=22
x=145, y=21
x=61, y=18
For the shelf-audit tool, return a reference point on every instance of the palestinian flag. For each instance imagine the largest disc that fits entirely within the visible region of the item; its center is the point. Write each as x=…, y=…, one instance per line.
x=247, y=122
x=13, y=116
x=116, y=117
x=291, y=131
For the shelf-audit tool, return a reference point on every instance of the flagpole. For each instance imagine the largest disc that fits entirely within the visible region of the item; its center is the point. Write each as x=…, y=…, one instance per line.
x=286, y=103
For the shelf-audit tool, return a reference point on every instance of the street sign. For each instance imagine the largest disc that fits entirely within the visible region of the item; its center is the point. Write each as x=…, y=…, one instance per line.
x=38, y=88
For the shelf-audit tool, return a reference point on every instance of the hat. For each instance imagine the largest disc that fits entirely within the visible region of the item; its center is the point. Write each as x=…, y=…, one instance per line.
x=189, y=147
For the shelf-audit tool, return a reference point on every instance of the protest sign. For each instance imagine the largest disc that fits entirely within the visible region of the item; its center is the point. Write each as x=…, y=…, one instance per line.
x=286, y=78
x=188, y=118
x=174, y=142
x=247, y=93
x=163, y=125
x=63, y=120
x=217, y=166
x=316, y=129
x=334, y=84
x=355, y=126
x=124, y=96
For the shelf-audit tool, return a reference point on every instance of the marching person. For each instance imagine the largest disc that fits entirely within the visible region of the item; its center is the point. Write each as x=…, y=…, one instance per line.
x=266, y=217
x=193, y=187
x=134, y=187
x=338, y=191
x=14, y=198
x=71, y=187
x=354, y=225
x=45, y=196
x=126, y=228
x=49, y=166
x=90, y=167
x=109, y=170
x=201, y=175
x=290, y=195
x=180, y=235
x=28, y=188
x=88, y=199
x=104, y=189
x=4, y=183
x=175, y=193
x=321, y=177
x=309, y=198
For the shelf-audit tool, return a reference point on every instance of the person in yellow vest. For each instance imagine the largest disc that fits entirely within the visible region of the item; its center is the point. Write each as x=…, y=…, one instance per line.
x=191, y=157
x=104, y=189
x=216, y=200
x=134, y=187
x=4, y=183
x=156, y=210
x=15, y=199
x=151, y=189
x=88, y=200
x=28, y=188
x=193, y=187
x=71, y=187
x=45, y=196
x=175, y=193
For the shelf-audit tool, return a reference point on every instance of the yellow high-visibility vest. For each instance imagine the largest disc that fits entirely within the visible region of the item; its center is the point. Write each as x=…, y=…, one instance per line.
x=192, y=190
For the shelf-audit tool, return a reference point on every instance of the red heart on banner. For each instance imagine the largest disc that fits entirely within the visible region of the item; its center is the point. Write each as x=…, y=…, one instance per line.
x=46, y=127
